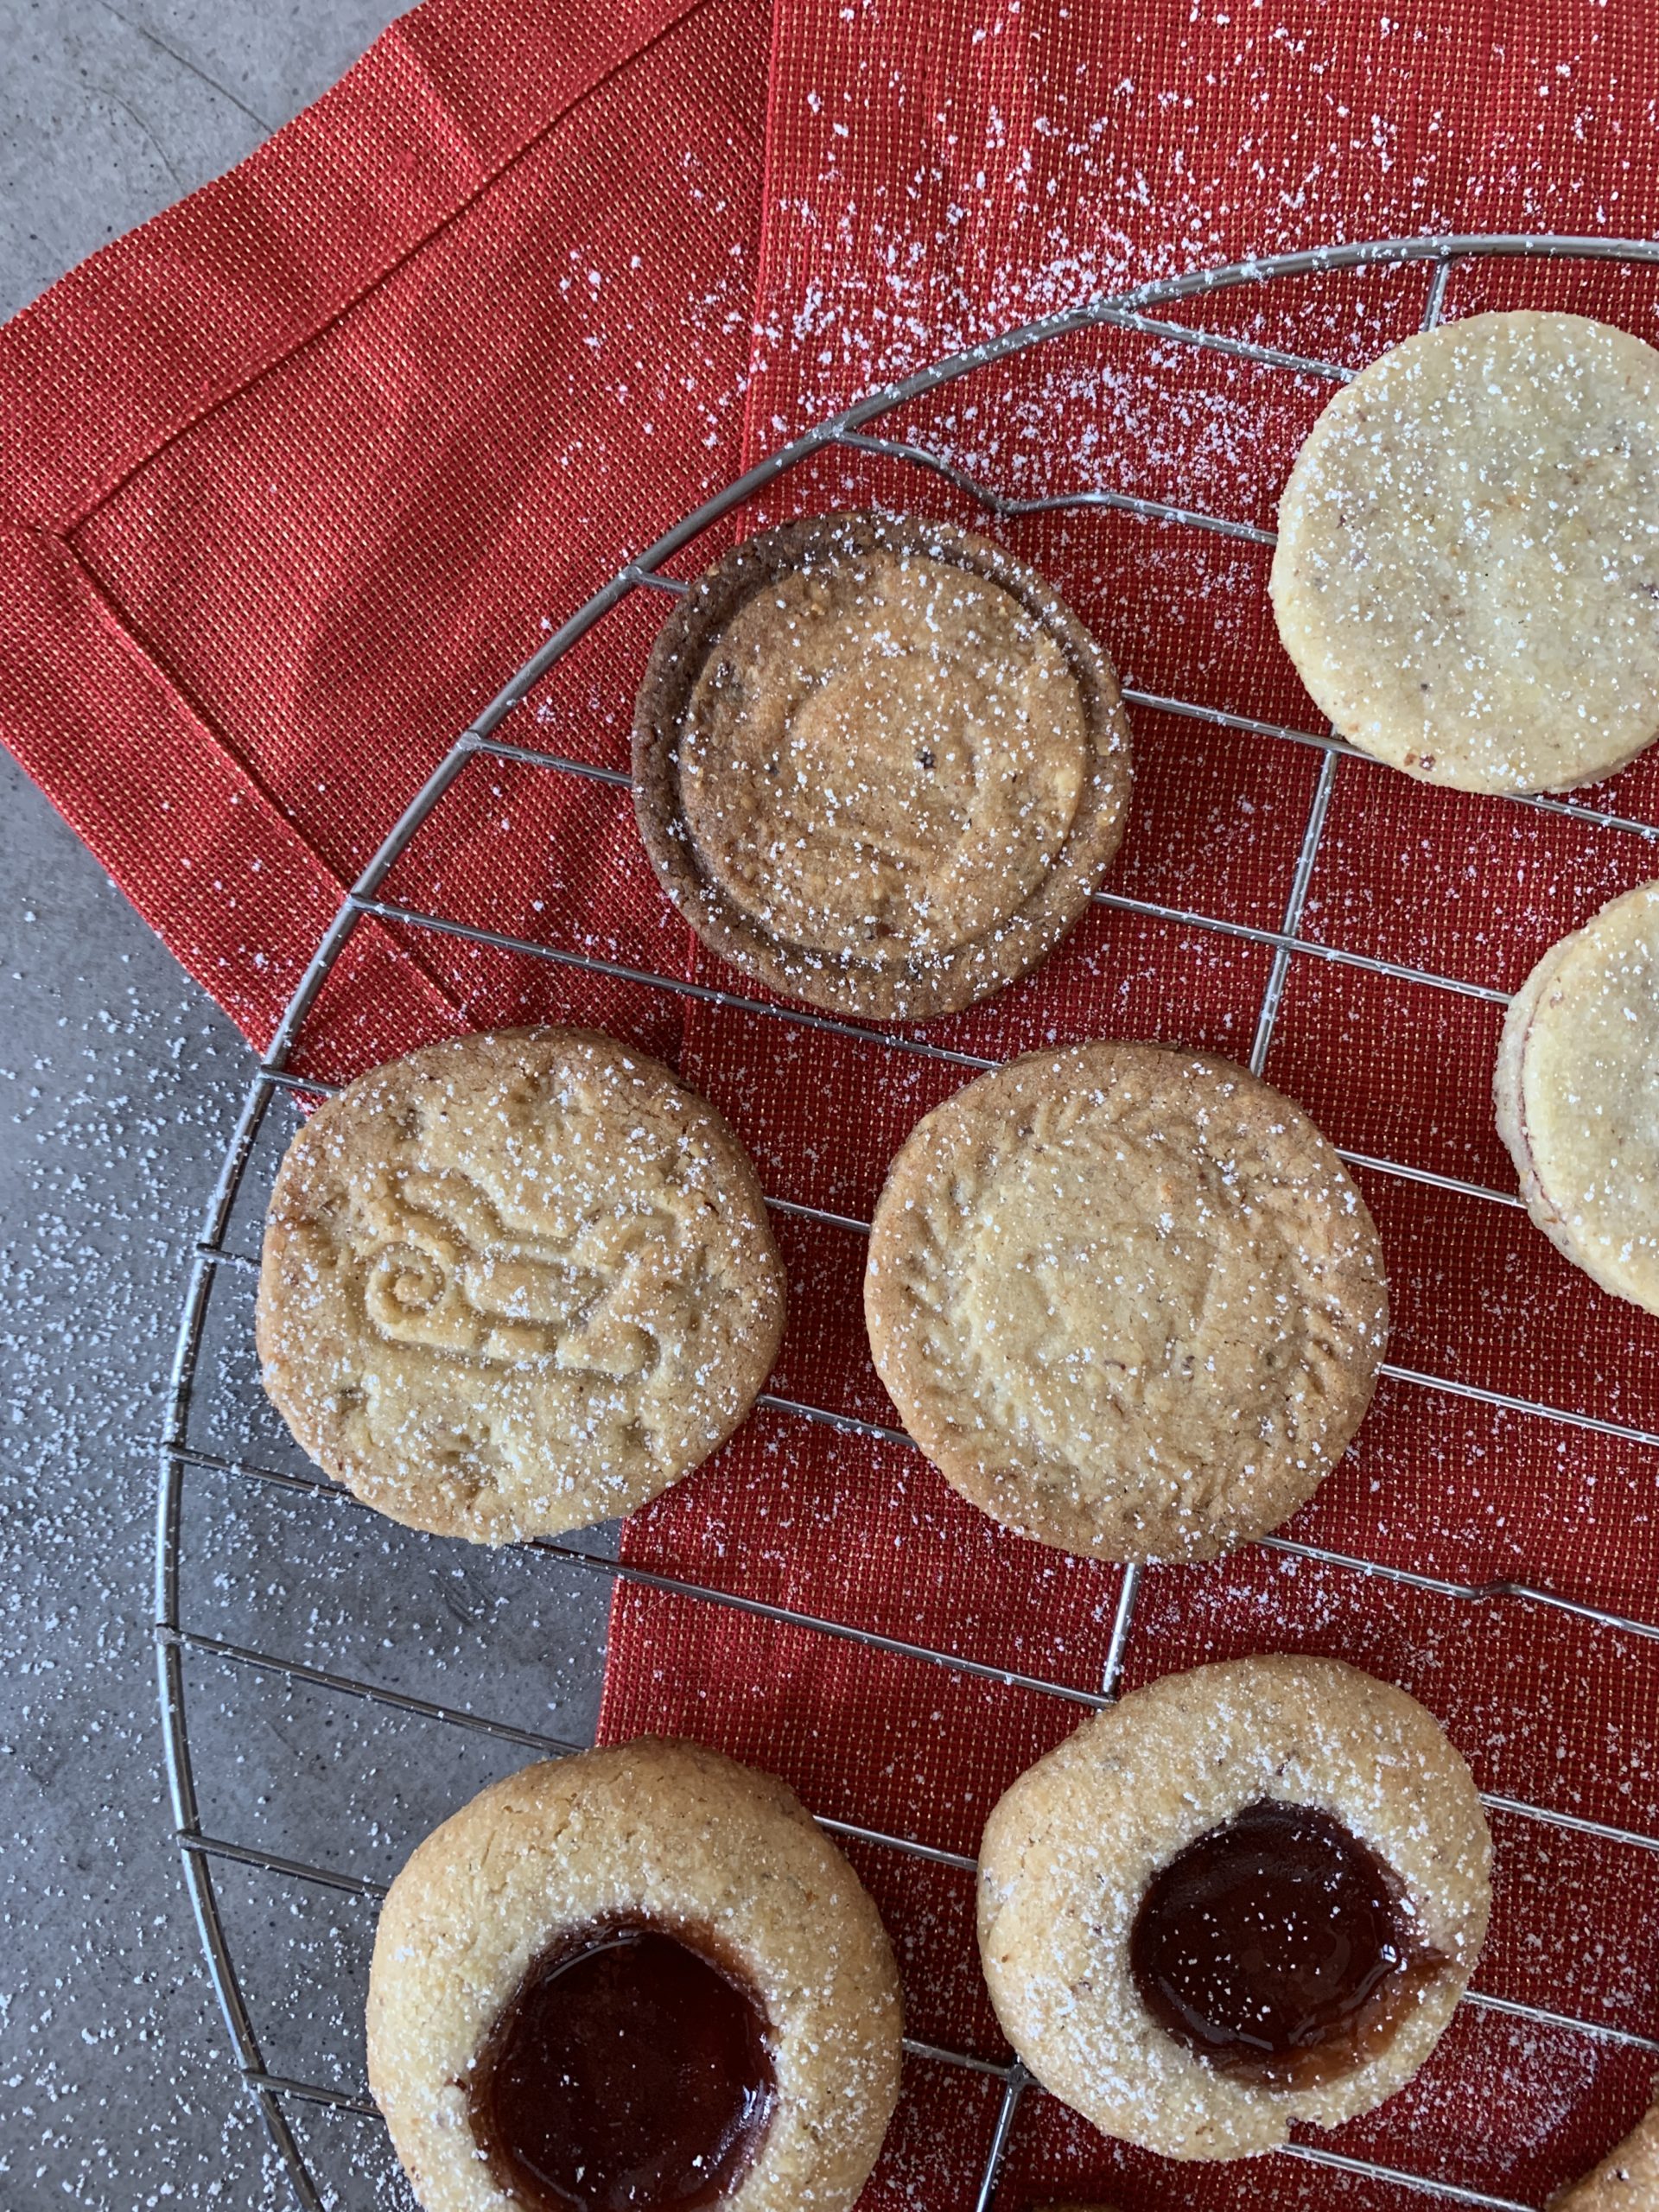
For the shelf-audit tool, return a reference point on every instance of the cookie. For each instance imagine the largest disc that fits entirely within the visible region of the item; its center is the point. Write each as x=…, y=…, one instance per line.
x=516, y=1283
x=1627, y=2180
x=1242, y=1897
x=1576, y=1090
x=640, y=1976
x=1127, y=1300
x=1467, y=572
x=878, y=764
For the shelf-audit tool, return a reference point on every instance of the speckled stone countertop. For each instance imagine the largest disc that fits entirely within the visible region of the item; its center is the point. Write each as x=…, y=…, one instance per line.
x=117, y=1081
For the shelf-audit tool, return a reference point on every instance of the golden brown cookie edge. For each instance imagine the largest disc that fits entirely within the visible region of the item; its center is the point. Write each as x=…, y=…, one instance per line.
x=1530, y=1005
x=1006, y=1495
x=1332, y=691
x=419, y=1911
x=973, y=971
x=1210, y=2118
x=430, y=1511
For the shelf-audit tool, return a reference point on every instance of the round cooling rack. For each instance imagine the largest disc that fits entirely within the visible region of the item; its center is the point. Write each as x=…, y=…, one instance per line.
x=271, y=1645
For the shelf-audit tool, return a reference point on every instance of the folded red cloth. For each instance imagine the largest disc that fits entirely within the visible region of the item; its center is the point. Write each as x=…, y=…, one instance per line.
x=294, y=476
x=291, y=476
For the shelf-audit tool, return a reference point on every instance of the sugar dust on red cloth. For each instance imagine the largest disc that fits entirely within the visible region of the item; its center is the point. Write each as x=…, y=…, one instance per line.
x=293, y=477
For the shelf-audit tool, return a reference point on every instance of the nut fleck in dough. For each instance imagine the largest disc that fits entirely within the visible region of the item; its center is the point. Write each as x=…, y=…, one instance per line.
x=878, y=764
x=1627, y=2180
x=516, y=1283
x=1467, y=574
x=673, y=1834
x=1577, y=1094
x=1127, y=1300
x=1071, y=1848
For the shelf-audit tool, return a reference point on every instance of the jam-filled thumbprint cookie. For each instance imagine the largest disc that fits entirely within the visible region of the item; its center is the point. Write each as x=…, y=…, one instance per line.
x=636, y=1979
x=879, y=764
x=1244, y=1896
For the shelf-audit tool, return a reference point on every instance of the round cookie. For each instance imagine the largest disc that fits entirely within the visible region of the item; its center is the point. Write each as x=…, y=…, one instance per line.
x=1467, y=572
x=482, y=2050
x=878, y=764
x=1123, y=1846
x=1576, y=1090
x=1627, y=2180
x=516, y=1283
x=1127, y=1300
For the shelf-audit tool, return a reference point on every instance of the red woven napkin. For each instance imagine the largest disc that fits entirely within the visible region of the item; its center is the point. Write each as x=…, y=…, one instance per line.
x=289, y=481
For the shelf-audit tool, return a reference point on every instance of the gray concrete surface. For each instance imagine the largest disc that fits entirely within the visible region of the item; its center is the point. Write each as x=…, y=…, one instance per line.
x=116, y=1082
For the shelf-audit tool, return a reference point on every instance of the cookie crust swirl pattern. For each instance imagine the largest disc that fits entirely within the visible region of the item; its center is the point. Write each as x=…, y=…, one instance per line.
x=1139, y=311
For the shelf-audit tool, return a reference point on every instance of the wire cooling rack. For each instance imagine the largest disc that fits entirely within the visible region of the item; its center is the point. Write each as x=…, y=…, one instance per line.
x=211, y=1858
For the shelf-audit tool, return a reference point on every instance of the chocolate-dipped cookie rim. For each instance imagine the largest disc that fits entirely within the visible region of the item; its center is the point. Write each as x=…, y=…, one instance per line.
x=981, y=965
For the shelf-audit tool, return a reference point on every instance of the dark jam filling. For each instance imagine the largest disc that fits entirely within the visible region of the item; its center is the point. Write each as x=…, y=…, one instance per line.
x=1279, y=1947
x=628, y=2072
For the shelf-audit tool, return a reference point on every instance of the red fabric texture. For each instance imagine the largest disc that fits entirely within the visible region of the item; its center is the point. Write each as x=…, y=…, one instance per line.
x=291, y=479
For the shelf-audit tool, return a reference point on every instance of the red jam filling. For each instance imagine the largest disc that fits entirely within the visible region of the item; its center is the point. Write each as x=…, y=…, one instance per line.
x=1280, y=1948
x=628, y=2072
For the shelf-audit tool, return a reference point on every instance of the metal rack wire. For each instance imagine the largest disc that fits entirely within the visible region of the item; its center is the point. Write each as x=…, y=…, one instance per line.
x=1131, y=312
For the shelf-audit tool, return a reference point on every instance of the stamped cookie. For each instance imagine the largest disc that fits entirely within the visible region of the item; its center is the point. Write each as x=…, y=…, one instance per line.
x=639, y=1977
x=1244, y=1896
x=1467, y=573
x=1577, y=1094
x=1627, y=2180
x=516, y=1283
x=1127, y=1300
x=879, y=764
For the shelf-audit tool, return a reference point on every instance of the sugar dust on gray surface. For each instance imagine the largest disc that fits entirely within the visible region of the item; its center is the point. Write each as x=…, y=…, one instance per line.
x=117, y=1087
x=117, y=1081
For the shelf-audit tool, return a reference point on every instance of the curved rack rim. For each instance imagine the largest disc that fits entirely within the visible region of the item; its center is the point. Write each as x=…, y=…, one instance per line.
x=1131, y=310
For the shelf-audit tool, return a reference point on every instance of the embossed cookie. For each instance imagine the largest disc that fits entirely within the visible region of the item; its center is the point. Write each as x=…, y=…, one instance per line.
x=516, y=1283
x=1577, y=1094
x=1127, y=1300
x=1627, y=2180
x=1467, y=572
x=878, y=764
x=634, y=1977
x=1243, y=1896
